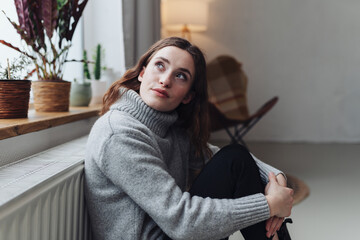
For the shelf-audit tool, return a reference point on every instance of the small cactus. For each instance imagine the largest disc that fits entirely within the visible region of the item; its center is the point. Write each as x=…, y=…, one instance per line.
x=97, y=68
x=86, y=66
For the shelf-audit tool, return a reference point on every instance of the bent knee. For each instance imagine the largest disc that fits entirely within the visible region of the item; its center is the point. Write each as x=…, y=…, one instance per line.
x=236, y=150
x=237, y=153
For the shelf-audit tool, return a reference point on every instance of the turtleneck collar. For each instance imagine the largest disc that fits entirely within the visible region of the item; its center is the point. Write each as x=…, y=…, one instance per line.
x=156, y=121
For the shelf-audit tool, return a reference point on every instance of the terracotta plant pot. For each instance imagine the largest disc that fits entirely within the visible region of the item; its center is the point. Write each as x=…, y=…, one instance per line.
x=51, y=96
x=14, y=98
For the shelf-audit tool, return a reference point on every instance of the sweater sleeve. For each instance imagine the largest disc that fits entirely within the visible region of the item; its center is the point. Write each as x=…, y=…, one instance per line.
x=265, y=169
x=132, y=161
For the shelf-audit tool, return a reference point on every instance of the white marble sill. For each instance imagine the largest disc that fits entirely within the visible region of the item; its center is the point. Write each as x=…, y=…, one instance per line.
x=21, y=176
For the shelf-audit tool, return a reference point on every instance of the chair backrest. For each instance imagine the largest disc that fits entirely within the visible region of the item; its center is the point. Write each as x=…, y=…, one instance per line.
x=227, y=84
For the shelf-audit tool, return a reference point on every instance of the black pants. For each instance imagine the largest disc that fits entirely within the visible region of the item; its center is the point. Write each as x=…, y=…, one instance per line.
x=231, y=173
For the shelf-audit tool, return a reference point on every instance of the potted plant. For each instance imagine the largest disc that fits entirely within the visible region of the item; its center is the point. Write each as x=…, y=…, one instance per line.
x=98, y=85
x=80, y=94
x=14, y=93
x=47, y=27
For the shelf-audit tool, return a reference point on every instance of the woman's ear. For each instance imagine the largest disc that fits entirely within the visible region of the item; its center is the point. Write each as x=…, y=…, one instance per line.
x=188, y=97
x=140, y=77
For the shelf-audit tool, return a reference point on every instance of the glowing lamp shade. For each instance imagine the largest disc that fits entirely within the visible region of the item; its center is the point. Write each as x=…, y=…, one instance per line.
x=185, y=15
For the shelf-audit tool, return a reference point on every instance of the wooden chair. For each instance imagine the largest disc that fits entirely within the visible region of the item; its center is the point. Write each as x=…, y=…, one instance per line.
x=227, y=84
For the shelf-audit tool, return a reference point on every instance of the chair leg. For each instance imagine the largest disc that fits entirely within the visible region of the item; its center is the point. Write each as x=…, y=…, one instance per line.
x=247, y=127
x=240, y=133
x=232, y=137
x=236, y=138
x=242, y=142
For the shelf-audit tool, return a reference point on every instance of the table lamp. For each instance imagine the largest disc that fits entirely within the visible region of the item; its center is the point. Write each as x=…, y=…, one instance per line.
x=185, y=15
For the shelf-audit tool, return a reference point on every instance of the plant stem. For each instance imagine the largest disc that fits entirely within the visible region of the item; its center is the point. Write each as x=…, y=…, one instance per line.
x=9, y=75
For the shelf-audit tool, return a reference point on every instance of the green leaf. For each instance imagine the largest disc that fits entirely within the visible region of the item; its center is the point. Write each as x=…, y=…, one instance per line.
x=63, y=23
x=61, y=3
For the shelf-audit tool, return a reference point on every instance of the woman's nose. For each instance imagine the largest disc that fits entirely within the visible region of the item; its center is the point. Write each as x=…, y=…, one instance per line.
x=165, y=80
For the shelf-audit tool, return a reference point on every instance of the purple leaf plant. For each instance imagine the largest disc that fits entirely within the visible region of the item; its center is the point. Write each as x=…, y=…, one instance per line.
x=47, y=27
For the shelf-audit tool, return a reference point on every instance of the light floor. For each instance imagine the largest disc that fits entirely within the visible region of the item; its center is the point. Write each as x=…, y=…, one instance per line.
x=332, y=172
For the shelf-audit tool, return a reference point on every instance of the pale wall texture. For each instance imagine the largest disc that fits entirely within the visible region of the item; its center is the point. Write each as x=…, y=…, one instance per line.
x=306, y=52
x=103, y=24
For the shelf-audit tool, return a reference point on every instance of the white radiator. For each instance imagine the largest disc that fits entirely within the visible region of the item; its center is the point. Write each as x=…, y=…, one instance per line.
x=51, y=208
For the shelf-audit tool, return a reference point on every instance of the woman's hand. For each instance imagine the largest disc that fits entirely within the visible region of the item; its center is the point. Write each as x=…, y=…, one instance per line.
x=280, y=198
x=273, y=224
x=281, y=180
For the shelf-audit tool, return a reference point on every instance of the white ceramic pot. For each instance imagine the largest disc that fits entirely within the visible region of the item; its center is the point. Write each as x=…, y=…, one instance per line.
x=98, y=89
x=109, y=76
x=80, y=94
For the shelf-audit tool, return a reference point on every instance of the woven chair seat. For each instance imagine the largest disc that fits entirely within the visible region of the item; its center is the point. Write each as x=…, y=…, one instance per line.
x=227, y=85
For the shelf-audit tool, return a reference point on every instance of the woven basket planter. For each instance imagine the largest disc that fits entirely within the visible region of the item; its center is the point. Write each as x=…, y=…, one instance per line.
x=14, y=98
x=51, y=96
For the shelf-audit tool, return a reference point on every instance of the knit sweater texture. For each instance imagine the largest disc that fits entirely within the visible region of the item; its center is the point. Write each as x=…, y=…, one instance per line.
x=136, y=172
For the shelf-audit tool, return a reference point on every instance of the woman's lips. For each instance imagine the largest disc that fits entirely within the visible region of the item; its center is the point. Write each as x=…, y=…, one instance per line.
x=160, y=92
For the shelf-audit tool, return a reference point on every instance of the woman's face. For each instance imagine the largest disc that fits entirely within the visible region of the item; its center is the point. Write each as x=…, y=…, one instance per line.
x=167, y=79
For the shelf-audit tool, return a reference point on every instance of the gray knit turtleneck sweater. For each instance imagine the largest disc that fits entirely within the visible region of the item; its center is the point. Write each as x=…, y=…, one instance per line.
x=136, y=169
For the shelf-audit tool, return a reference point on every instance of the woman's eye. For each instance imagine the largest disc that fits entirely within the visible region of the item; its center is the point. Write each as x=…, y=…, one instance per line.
x=181, y=76
x=160, y=66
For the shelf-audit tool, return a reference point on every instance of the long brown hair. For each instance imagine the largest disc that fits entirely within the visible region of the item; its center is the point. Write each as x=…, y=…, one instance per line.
x=194, y=115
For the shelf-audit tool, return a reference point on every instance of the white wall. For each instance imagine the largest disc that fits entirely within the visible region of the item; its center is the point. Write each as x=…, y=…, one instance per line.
x=7, y=32
x=103, y=24
x=306, y=52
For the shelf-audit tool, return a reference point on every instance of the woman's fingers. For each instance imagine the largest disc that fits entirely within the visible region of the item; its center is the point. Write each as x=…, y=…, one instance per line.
x=268, y=223
x=281, y=180
x=272, y=225
x=272, y=177
x=279, y=223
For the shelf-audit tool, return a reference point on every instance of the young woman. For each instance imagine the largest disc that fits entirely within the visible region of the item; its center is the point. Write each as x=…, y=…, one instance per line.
x=143, y=153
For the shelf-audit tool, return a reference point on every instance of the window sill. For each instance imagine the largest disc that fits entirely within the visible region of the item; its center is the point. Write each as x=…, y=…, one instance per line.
x=27, y=175
x=37, y=121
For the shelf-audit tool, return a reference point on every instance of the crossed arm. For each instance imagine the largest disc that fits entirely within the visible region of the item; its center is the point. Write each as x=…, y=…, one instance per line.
x=280, y=200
